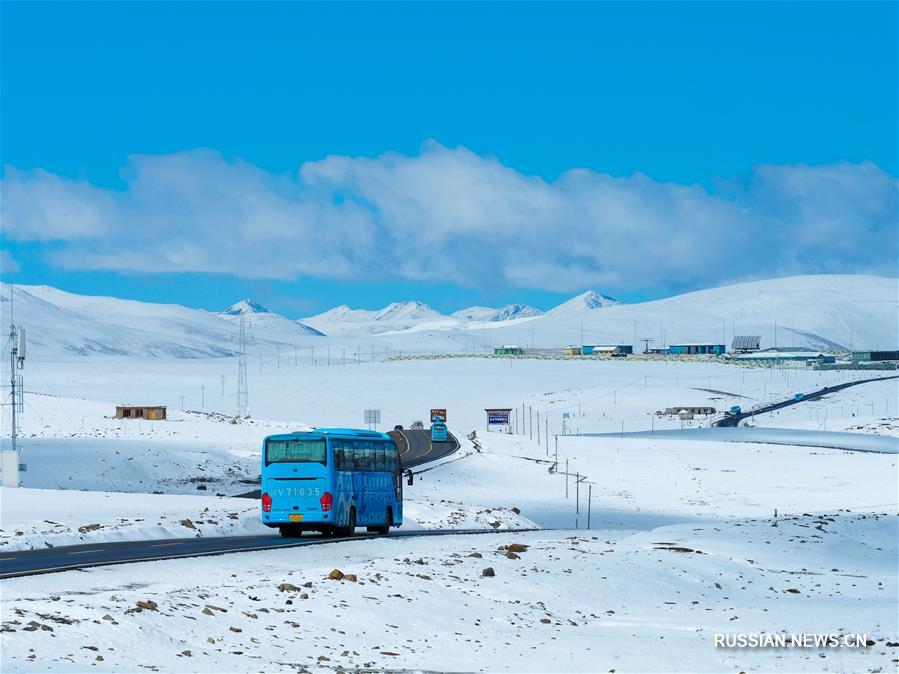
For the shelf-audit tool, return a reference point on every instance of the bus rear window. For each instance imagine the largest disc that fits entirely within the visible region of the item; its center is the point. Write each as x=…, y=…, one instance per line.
x=295, y=451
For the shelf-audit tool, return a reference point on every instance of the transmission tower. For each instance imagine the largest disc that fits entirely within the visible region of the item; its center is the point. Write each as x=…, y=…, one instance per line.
x=10, y=462
x=243, y=396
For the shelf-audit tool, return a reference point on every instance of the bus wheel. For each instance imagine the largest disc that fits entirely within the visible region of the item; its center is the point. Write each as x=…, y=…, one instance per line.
x=388, y=522
x=351, y=523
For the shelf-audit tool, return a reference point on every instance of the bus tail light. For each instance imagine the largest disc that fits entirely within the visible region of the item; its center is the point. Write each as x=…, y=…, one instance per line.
x=327, y=500
x=266, y=503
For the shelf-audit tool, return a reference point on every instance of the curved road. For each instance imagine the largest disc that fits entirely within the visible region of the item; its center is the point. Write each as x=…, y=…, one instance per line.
x=735, y=419
x=415, y=447
x=71, y=557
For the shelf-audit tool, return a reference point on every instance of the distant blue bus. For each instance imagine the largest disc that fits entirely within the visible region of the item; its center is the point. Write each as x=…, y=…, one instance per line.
x=331, y=480
x=438, y=432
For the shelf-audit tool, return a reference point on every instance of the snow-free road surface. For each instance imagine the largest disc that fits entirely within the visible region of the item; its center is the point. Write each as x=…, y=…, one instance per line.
x=858, y=442
x=733, y=420
x=417, y=448
x=65, y=558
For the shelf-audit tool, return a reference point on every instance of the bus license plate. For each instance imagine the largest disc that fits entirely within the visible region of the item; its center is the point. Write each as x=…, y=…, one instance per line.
x=296, y=518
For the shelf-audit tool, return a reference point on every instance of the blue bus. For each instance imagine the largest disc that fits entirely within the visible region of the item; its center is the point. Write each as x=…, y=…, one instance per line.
x=438, y=432
x=331, y=480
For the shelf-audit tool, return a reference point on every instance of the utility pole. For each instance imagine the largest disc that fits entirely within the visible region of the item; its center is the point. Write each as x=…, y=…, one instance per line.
x=522, y=418
x=531, y=422
x=589, y=502
x=203, y=397
x=243, y=395
x=223, y=386
x=577, y=493
x=557, y=452
x=182, y=402
x=538, y=428
x=566, y=479
x=546, y=434
x=577, y=501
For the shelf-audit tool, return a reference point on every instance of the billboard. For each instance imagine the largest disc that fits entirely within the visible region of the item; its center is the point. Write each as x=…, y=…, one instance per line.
x=438, y=414
x=372, y=416
x=498, y=416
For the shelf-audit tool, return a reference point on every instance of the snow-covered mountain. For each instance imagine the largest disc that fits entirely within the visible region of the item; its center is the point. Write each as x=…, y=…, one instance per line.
x=584, y=302
x=63, y=323
x=488, y=314
x=246, y=306
x=394, y=317
x=273, y=325
x=819, y=312
x=815, y=311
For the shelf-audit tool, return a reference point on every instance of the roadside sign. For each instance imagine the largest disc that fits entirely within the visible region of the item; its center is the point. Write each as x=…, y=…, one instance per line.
x=438, y=414
x=498, y=416
x=372, y=417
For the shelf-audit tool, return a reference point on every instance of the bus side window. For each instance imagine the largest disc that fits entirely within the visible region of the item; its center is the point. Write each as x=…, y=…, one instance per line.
x=358, y=456
x=339, y=457
x=348, y=456
x=378, y=463
x=370, y=457
x=383, y=458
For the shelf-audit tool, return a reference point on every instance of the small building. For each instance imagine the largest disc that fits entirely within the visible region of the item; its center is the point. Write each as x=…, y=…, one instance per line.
x=508, y=350
x=702, y=410
x=868, y=356
x=572, y=350
x=149, y=412
x=745, y=343
x=775, y=356
x=697, y=348
x=606, y=349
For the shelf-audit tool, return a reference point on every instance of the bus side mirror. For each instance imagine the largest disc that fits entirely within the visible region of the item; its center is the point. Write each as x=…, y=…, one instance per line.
x=409, y=476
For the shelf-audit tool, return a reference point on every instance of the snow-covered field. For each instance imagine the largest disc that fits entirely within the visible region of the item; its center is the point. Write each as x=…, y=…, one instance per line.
x=687, y=539
x=599, y=600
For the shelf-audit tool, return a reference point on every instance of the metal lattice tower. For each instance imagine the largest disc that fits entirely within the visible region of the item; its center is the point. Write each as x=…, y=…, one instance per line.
x=10, y=459
x=243, y=396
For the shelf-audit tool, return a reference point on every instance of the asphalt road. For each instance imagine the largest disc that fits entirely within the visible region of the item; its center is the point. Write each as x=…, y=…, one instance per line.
x=71, y=557
x=735, y=419
x=415, y=447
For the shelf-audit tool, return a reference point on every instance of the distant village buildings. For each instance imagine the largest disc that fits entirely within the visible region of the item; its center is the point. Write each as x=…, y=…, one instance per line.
x=148, y=412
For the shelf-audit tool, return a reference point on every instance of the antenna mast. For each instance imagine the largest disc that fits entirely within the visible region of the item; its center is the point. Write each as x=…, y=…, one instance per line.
x=10, y=463
x=243, y=396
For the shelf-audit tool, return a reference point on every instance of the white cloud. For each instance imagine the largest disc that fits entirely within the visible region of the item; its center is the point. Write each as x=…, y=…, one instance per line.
x=451, y=214
x=8, y=264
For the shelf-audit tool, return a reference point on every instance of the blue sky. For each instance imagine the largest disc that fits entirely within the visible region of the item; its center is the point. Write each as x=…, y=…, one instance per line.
x=426, y=150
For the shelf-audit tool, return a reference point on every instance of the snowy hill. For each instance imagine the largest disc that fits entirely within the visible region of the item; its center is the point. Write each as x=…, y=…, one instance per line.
x=819, y=312
x=394, y=317
x=275, y=326
x=585, y=302
x=62, y=323
x=488, y=314
x=246, y=306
